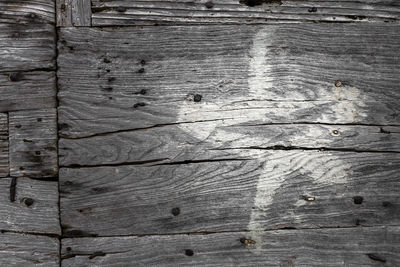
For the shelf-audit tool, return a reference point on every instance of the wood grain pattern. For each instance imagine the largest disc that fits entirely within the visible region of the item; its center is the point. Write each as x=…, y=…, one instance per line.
x=27, y=90
x=35, y=209
x=111, y=12
x=27, y=46
x=27, y=12
x=229, y=195
x=172, y=143
x=33, y=143
x=74, y=13
x=378, y=246
x=274, y=74
x=28, y=250
x=4, y=169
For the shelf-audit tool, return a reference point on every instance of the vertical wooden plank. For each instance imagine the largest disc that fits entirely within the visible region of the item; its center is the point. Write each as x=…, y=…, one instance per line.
x=74, y=13
x=81, y=12
x=3, y=145
x=64, y=13
x=33, y=143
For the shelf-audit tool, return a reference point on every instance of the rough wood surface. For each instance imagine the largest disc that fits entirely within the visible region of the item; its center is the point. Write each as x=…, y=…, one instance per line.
x=27, y=90
x=111, y=12
x=140, y=77
x=74, y=13
x=27, y=46
x=28, y=250
x=4, y=169
x=378, y=246
x=267, y=192
x=33, y=143
x=172, y=143
x=35, y=209
x=27, y=12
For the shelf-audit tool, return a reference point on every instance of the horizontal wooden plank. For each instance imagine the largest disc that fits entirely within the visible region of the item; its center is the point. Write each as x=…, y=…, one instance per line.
x=74, y=13
x=199, y=141
x=33, y=143
x=35, y=208
x=28, y=250
x=111, y=12
x=269, y=192
x=27, y=90
x=4, y=169
x=27, y=12
x=27, y=46
x=378, y=246
x=239, y=74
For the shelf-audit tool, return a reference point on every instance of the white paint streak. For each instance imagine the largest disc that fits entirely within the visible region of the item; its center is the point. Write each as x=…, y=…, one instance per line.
x=344, y=105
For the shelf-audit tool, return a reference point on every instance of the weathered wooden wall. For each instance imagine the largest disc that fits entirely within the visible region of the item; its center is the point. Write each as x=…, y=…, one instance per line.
x=199, y=133
x=29, y=199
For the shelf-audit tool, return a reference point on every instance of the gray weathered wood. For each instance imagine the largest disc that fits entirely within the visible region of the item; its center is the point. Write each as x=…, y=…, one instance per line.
x=28, y=250
x=27, y=46
x=27, y=12
x=73, y=13
x=377, y=246
x=267, y=192
x=173, y=143
x=4, y=169
x=133, y=78
x=24, y=215
x=33, y=143
x=27, y=90
x=111, y=12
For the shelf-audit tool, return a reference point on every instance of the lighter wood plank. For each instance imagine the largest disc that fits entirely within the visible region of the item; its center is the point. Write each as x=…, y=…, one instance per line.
x=274, y=74
x=27, y=90
x=4, y=169
x=264, y=193
x=74, y=13
x=28, y=250
x=324, y=247
x=27, y=12
x=37, y=216
x=33, y=143
x=111, y=12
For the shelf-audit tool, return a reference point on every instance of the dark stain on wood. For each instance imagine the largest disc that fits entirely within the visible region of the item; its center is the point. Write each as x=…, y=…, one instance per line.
x=209, y=4
x=252, y=3
x=189, y=252
x=13, y=186
x=376, y=257
x=358, y=200
x=15, y=76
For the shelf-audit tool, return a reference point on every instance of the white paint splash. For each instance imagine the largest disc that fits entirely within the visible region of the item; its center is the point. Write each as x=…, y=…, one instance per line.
x=345, y=103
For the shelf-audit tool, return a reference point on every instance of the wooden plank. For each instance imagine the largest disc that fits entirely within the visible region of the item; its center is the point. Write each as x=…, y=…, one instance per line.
x=199, y=141
x=145, y=12
x=74, y=13
x=275, y=74
x=27, y=90
x=35, y=209
x=33, y=143
x=4, y=169
x=378, y=246
x=269, y=192
x=28, y=250
x=27, y=46
x=27, y=12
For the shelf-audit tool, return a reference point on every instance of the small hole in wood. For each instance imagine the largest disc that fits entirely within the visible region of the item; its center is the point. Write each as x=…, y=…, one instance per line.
x=209, y=4
x=28, y=201
x=38, y=153
x=21, y=168
x=68, y=249
x=197, y=98
x=358, y=200
x=39, y=119
x=338, y=84
x=335, y=132
x=141, y=70
x=175, y=211
x=312, y=9
x=189, y=252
